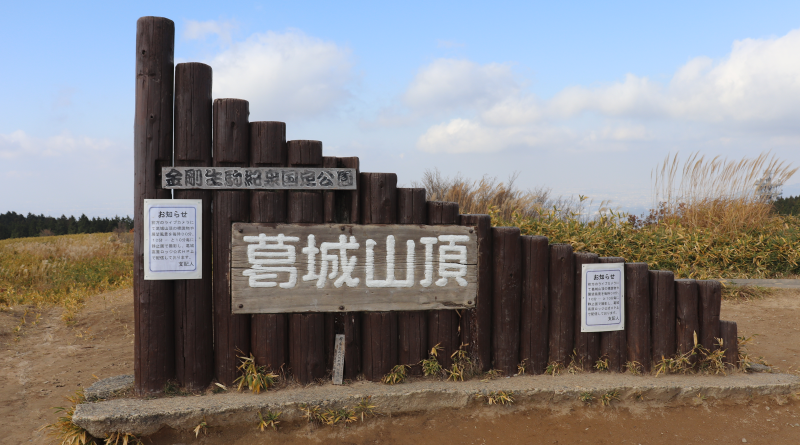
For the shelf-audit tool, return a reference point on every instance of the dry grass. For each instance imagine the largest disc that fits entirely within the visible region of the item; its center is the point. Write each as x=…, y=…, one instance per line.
x=64, y=270
x=717, y=194
x=744, y=292
x=487, y=195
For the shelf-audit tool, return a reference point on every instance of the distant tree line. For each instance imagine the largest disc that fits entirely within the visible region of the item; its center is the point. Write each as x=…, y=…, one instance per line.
x=14, y=225
x=787, y=206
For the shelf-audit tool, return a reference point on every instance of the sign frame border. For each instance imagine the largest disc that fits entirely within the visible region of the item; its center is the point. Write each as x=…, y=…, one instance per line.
x=197, y=274
x=616, y=267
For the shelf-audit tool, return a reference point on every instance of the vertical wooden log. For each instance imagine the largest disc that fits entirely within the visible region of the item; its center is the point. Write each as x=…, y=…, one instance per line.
x=637, y=314
x=662, y=314
x=561, y=294
x=587, y=344
x=329, y=197
x=332, y=320
x=347, y=201
x=443, y=324
x=306, y=348
x=194, y=333
x=730, y=342
x=231, y=149
x=686, y=323
x=613, y=344
x=306, y=330
x=154, y=342
x=476, y=324
x=507, y=292
x=378, y=196
x=412, y=326
x=269, y=333
x=710, y=299
x=534, y=304
x=347, y=212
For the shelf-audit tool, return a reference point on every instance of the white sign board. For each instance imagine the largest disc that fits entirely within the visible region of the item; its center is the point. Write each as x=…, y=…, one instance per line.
x=172, y=239
x=603, y=297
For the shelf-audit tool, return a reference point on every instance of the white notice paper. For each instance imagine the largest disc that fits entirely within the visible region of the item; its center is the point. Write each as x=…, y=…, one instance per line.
x=172, y=239
x=603, y=297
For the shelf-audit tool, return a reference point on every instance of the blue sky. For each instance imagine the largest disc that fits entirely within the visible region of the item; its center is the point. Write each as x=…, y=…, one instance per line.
x=580, y=97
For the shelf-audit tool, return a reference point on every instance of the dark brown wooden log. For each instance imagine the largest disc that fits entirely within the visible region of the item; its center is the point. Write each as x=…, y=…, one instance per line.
x=443, y=325
x=154, y=342
x=306, y=351
x=476, y=324
x=306, y=347
x=334, y=323
x=613, y=344
x=305, y=207
x=730, y=342
x=351, y=328
x=561, y=281
x=378, y=198
x=506, y=296
x=378, y=202
x=347, y=201
x=412, y=326
x=637, y=314
x=231, y=148
x=687, y=325
x=534, y=303
x=662, y=314
x=269, y=333
x=379, y=344
x=194, y=333
x=411, y=206
x=349, y=323
x=587, y=344
x=329, y=197
x=710, y=299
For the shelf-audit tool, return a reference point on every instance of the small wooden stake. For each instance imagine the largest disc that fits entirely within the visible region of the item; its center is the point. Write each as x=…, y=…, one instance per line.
x=338, y=359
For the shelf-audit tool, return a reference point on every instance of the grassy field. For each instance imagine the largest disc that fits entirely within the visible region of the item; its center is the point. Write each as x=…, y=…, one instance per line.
x=64, y=270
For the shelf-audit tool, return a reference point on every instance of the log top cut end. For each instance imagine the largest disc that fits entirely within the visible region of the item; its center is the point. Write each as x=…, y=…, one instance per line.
x=151, y=18
x=193, y=65
x=506, y=230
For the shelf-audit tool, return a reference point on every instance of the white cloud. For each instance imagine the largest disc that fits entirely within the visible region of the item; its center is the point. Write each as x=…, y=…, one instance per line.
x=284, y=75
x=756, y=87
x=471, y=136
x=20, y=144
x=450, y=83
x=200, y=30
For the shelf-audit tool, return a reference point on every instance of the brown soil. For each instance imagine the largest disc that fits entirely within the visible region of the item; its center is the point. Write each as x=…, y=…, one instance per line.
x=47, y=361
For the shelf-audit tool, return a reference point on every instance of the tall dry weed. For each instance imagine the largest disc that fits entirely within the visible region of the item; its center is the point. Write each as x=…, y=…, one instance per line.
x=717, y=194
x=487, y=195
x=64, y=270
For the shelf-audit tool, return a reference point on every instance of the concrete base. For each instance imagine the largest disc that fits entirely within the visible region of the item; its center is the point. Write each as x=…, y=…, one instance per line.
x=145, y=417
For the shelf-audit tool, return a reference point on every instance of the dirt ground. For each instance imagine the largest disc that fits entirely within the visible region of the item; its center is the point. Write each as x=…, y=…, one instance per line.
x=45, y=361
